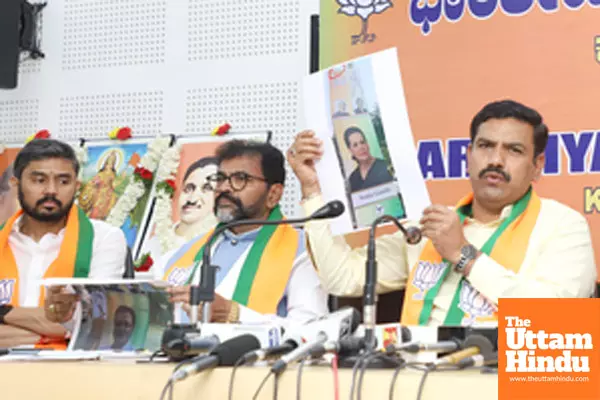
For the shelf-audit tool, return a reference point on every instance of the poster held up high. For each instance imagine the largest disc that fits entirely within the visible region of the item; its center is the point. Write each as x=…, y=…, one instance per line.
x=370, y=161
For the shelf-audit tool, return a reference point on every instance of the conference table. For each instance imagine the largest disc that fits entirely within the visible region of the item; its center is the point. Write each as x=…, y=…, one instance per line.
x=93, y=380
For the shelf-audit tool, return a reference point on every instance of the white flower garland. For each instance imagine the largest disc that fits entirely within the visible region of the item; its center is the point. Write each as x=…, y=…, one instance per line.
x=163, y=210
x=81, y=153
x=136, y=189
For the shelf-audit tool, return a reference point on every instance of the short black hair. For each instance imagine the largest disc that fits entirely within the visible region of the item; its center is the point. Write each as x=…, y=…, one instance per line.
x=271, y=158
x=127, y=310
x=350, y=131
x=43, y=149
x=201, y=163
x=5, y=179
x=511, y=109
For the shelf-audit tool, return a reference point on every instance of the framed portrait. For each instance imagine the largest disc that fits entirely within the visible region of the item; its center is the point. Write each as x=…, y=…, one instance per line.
x=107, y=172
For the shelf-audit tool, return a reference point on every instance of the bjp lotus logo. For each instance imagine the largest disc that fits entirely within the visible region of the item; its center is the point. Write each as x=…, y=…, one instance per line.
x=364, y=9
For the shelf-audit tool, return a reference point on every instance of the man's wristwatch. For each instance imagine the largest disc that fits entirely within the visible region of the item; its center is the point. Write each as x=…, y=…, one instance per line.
x=467, y=254
x=4, y=309
x=234, y=313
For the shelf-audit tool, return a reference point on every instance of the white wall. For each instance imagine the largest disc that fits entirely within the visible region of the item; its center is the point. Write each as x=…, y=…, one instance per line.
x=165, y=66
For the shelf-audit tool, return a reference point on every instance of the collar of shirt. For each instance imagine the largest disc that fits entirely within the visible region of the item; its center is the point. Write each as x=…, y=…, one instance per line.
x=48, y=239
x=249, y=236
x=503, y=215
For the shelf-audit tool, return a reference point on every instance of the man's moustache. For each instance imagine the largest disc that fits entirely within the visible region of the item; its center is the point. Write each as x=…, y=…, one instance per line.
x=497, y=170
x=49, y=198
x=227, y=196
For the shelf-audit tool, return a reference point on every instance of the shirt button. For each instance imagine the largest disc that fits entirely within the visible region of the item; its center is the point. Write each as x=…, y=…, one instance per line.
x=234, y=242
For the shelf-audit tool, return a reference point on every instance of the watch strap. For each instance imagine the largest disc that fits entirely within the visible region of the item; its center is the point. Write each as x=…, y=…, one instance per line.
x=4, y=309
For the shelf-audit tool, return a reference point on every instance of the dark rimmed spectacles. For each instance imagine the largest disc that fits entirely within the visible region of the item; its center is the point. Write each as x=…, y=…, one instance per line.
x=237, y=180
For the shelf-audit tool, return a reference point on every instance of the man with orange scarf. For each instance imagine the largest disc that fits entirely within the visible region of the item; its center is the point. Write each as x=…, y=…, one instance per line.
x=502, y=240
x=49, y=237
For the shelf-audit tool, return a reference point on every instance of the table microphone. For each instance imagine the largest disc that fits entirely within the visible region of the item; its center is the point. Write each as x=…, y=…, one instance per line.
x=225, y=354
x=473, y=345
x=444, y=346
x=413, y=236
x=302, y=351
x=346, y=346
x=190, y=346
x=290, y=342
x=205, y=292
x=478, y=360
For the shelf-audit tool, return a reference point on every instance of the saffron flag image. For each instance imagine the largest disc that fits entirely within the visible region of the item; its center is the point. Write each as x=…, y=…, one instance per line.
x=457, y=56
x=370, y=161
x=548, y=349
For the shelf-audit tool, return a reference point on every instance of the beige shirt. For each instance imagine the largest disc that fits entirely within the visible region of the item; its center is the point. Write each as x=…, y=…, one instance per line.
x=559, y=261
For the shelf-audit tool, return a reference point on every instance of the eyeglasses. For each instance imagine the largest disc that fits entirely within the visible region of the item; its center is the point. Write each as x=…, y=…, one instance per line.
x=237, y=180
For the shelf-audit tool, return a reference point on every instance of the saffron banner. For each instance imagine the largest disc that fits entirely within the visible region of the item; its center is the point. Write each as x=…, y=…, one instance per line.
x=456, y=56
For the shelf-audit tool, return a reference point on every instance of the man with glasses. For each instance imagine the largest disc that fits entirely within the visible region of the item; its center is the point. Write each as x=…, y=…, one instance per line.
x=263, y=270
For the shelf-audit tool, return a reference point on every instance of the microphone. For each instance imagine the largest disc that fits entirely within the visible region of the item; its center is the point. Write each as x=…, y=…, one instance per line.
x=225, y=354
x=340, y=323
x=302, y=351
x=289, y=344
x=190, y=346
x=332, y=209
x=478, y=360
x=473, y=345
x=206, y=291
x=346, y=346
x=445, y=346
x=413, y=236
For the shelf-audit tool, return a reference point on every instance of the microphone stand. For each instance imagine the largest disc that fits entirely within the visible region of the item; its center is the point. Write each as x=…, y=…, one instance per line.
x=413, y=236
x=205, y=292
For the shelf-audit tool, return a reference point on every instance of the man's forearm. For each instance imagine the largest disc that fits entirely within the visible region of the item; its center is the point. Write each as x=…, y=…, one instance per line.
x=11, y=336
x=34, y=320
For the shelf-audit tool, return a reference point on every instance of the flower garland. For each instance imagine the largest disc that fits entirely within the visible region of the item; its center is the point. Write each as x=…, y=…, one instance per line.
x=165, y=190
x=123, y=133
x=43, y=134
x=144, y=263
x=140, y=182
x=81, y=153
x=221, y=130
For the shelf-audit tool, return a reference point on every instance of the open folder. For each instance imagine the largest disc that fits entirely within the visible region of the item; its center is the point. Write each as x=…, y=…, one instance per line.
x=117, y=315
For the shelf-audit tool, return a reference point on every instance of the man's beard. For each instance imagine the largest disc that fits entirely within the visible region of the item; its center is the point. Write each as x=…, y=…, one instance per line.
x=237, y=213
x=32, y=212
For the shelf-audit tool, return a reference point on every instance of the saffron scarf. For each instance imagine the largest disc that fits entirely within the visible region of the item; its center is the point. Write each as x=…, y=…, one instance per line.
x=507, y=246
x=73, y=260
x=264, y=274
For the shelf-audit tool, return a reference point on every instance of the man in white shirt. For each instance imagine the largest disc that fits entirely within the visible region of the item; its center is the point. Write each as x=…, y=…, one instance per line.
x=49, y=237
x=500, y=241
x=263, y=271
